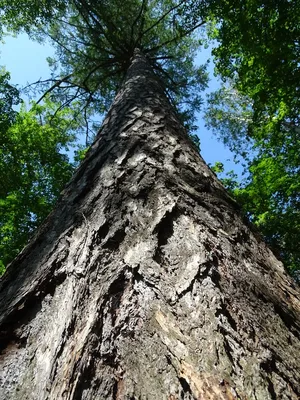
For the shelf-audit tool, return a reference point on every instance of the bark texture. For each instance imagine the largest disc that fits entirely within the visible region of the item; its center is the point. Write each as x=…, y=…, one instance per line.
x=145, y=282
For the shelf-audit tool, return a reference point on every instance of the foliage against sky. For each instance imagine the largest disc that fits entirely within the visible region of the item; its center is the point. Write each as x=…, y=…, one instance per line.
x=270, y=192
x=257, y=113
x=34, y=166
x=94, y=42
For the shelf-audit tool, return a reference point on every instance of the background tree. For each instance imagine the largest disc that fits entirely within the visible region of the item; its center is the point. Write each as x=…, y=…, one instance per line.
x=33, y=166
x=269, y=194
x=258, y=47
x=257, y=113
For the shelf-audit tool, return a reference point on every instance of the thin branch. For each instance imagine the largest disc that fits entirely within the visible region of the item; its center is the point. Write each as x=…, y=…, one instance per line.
x=38, y=82
x=66, y=103
x=104, y=64
x=174, y=84
x=163, y=17
x=162, y=58
x=56, y=84
x=69, y=23
x=88, y=43
x=59, y=43
x=144, y=2
x=85, y=8
x=85, y=15
x=176, y=38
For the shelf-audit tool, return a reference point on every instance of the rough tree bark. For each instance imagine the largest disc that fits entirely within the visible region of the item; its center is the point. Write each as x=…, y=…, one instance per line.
x=145, y=282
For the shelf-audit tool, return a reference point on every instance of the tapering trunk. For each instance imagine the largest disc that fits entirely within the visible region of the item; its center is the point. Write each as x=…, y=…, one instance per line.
x=145, y=282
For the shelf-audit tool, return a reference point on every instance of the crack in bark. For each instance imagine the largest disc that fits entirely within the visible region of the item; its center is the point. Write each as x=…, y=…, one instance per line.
x=201, y=274
x=32, y=301
x=164, y=231
x=86, y=371
x=214, y=273
x=222, y=310
x=288, y=320
x=227, y=346
x=186, y=389
x=116, y=291
x=271, y=389
x=139, y=277
x=113, y=241
x=269, y=366
x=101, y=233
x=137, y=143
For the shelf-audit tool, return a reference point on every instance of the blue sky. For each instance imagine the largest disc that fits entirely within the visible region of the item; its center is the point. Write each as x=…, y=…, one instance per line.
x=26, y=62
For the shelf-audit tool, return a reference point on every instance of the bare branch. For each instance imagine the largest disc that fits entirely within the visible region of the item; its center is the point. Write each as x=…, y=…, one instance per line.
x=174, y=84
x=58, y=42
x=38, y=82
x=56, y=84
x=104, y=64
x=143, y=6
x=66, y=103
x=176, y=38
x=162, y=58
x=163, y=17
x=69, y=23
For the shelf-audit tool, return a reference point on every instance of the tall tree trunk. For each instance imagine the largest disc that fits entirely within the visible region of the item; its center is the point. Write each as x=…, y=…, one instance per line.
x=145, y=282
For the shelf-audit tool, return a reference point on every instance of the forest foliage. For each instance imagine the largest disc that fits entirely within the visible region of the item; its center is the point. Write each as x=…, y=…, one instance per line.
x=256, y=112
x=34, y=165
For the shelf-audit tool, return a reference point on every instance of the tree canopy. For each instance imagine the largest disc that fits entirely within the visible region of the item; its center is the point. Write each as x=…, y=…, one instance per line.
x=95, y=41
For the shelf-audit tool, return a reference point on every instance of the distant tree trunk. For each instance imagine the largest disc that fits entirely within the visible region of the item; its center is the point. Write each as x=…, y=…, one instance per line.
x=145, y=282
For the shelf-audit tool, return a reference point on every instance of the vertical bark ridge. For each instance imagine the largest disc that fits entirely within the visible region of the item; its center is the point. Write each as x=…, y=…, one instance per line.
x=145, y=282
